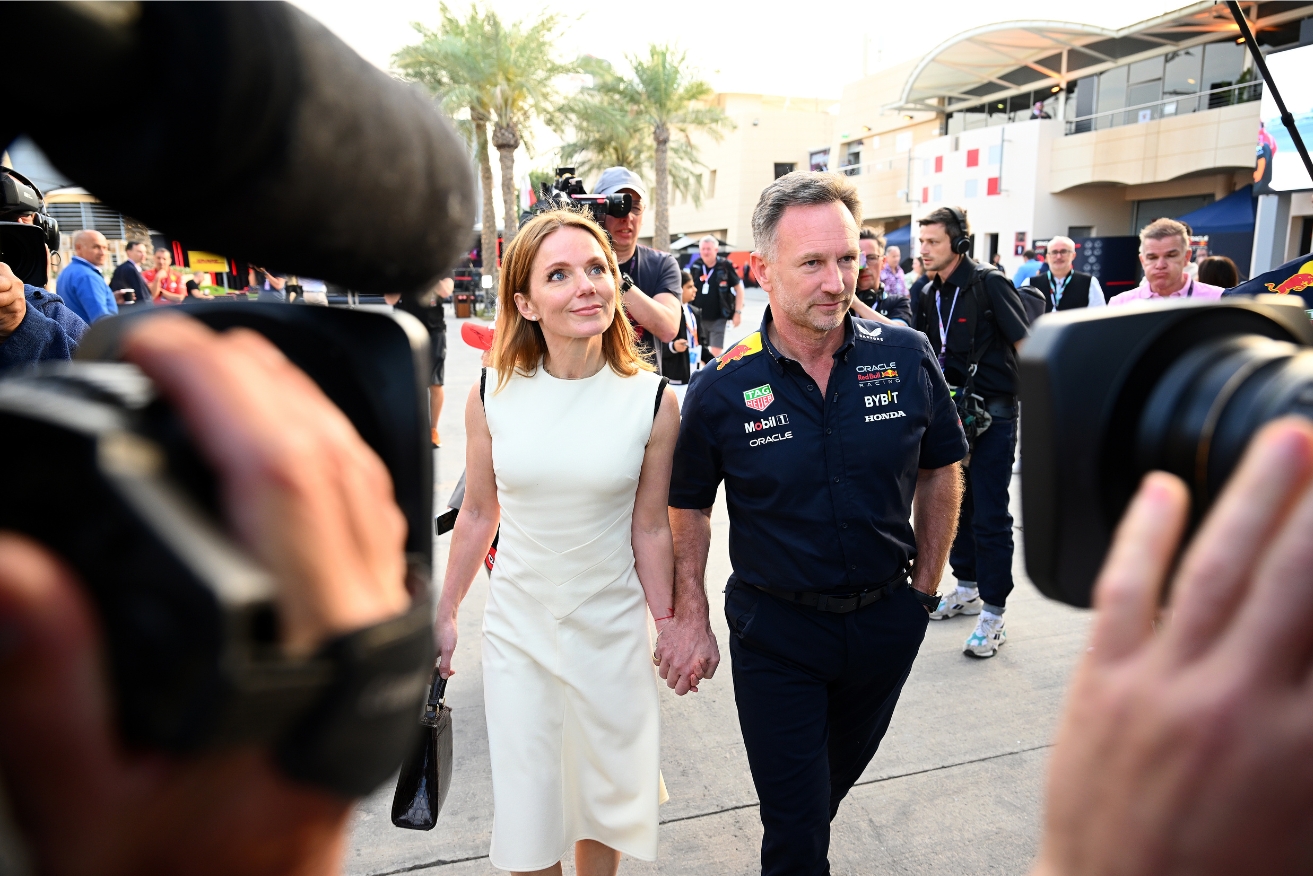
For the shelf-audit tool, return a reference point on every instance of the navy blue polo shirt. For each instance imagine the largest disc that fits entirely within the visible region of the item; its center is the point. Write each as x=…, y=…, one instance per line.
x=819, y=489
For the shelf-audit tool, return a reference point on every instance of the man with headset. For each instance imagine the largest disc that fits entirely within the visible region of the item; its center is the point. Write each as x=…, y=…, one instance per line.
x=974, y=318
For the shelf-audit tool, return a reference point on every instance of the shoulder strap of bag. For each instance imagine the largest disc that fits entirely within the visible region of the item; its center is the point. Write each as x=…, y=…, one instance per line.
x=483, y=384
x=974, y=356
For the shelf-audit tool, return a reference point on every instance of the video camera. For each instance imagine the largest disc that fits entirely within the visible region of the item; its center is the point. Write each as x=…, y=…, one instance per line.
x=567, y=191
x=1109, y=394
x=23, y=246
x=190, y=626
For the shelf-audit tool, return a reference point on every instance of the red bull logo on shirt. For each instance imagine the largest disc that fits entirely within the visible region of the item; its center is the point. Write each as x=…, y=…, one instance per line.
x=746, y=347
x=760, y=398
x=1296, y=282
x=883, y=373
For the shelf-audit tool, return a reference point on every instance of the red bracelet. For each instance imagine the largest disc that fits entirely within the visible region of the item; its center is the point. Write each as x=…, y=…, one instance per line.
x=667, y=617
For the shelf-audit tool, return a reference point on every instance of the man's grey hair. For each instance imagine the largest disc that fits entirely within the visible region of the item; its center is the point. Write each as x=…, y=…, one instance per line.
x=1160, y=229
x=708, y=238
x=802, y=188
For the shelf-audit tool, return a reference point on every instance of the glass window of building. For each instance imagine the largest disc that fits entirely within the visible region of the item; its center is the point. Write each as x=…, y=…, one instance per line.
x=1112, y=96
x=820, y=160
x=1181, y=80
x=1086, y=88
x=1223, y=63
x=852, y=159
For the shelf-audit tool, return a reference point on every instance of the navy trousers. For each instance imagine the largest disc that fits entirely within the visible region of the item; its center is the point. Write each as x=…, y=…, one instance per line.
x=982, y=551
x=815, y=692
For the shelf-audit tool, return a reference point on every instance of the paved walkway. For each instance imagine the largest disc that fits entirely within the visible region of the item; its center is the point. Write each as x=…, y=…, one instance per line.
x=955, y=788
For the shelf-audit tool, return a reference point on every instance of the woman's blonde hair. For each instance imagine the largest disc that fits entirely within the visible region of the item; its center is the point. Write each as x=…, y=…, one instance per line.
x=519, y=347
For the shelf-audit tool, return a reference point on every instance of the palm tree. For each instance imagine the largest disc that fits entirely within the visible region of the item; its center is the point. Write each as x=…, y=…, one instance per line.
x=454, y=63
x=524, y=74
x=630, y=122
x=666, y=96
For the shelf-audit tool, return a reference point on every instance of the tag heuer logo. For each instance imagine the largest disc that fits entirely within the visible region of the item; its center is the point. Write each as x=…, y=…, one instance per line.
x=760, y=398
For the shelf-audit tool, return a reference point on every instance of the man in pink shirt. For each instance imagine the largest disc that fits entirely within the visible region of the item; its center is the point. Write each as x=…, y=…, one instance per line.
x=1164, y=253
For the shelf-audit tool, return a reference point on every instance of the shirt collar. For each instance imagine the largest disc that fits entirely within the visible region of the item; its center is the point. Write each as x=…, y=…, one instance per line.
x=78, y=258
x=779, y=358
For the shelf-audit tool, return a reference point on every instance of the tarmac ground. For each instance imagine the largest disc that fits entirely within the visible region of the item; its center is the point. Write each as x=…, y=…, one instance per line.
x=955, y=788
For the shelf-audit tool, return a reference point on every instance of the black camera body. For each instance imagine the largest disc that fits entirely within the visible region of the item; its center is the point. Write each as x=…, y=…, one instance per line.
x=190, y=623
x=18, y=194
x=568, y=191
x=23, y=249
x=1109, y=394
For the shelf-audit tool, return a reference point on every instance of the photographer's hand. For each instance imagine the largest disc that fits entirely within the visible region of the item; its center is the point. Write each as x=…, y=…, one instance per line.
x=311, y=501
x=13, y=303
x=1185, y=750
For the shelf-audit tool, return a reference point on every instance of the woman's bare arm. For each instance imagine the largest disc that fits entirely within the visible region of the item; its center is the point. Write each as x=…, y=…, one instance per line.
x=475, y=527
x=654, y=551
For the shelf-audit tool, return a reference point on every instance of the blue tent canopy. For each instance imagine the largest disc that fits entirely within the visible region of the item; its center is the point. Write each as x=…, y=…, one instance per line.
x=899, y=237
x=1232, y=214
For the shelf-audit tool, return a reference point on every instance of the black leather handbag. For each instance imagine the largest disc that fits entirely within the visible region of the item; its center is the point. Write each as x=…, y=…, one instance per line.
x=426, y=774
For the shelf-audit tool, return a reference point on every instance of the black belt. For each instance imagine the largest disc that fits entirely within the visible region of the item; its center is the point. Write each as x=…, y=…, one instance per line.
x=838, y=604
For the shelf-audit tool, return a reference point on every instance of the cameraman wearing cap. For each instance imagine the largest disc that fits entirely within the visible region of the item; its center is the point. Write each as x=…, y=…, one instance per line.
x=651, y=293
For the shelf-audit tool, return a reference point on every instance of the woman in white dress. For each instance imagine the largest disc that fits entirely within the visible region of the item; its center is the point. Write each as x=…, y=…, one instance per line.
x=570, y=440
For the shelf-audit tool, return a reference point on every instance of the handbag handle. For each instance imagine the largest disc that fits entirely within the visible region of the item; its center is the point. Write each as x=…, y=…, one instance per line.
x=437, y=695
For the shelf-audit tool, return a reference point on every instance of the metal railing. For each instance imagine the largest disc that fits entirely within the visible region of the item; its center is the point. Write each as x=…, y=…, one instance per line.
x=1176, y=105
x=869, y=167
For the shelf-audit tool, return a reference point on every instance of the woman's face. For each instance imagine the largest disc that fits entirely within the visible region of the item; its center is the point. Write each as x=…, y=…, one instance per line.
x=571, y=291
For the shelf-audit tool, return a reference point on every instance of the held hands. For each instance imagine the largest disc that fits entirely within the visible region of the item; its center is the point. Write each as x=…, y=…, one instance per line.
x=1184, y=748
x=686, y=653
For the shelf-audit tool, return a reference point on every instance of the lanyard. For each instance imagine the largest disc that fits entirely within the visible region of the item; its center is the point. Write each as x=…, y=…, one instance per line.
x=1057, y=288
x=944, y=327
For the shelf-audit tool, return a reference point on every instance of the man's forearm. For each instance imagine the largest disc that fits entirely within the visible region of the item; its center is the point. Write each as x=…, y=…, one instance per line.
x=938, y=500
x=691, y=530
x=659, y=313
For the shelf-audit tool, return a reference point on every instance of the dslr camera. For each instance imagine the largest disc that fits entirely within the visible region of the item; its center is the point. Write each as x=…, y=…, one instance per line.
x=1110, y=394
x=567, y=191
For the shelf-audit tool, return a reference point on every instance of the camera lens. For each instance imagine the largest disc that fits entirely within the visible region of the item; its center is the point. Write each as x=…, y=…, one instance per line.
x=1204, y=409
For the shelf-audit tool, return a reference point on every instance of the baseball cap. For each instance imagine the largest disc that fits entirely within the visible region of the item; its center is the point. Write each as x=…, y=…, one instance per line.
x=613, y=179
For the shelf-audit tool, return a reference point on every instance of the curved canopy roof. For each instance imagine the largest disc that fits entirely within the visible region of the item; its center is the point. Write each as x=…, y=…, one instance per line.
x=1008, y=58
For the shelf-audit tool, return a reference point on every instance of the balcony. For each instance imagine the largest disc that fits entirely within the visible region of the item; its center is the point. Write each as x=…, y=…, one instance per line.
x=1174, y=105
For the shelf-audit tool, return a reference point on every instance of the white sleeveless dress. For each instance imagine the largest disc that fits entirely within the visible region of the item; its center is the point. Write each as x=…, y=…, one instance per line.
x=570, y=690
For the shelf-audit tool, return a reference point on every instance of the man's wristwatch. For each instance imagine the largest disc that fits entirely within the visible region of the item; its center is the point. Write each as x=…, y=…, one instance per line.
x=930, y=601
x=626, y=283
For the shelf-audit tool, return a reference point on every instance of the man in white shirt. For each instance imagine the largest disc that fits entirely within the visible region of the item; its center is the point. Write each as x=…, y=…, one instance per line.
x=1063, y=288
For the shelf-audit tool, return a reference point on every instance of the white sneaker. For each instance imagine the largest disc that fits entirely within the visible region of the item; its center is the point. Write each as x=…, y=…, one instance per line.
x=988, y=637
x=962, y=600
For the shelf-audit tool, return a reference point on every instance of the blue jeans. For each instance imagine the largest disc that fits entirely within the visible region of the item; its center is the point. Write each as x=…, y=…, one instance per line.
x=815, y=692
x=982, y=551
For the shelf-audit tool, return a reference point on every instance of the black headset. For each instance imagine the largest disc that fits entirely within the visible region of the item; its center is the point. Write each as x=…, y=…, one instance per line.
x=12, y=201
x=960, y=241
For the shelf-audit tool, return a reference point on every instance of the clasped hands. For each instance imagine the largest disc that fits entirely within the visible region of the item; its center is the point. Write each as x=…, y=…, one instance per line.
x=685, y=652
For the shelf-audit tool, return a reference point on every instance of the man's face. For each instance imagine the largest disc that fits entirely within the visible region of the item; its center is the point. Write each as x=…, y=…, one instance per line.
x=812, y=276
x=936, y=248
x=162, y=259
x=708, y=250
x=92, y=247
x=1164, y=261
x=894, y=257
x=624, y=229
x=137, y=253
x=1060, y=255
x=866, y=275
